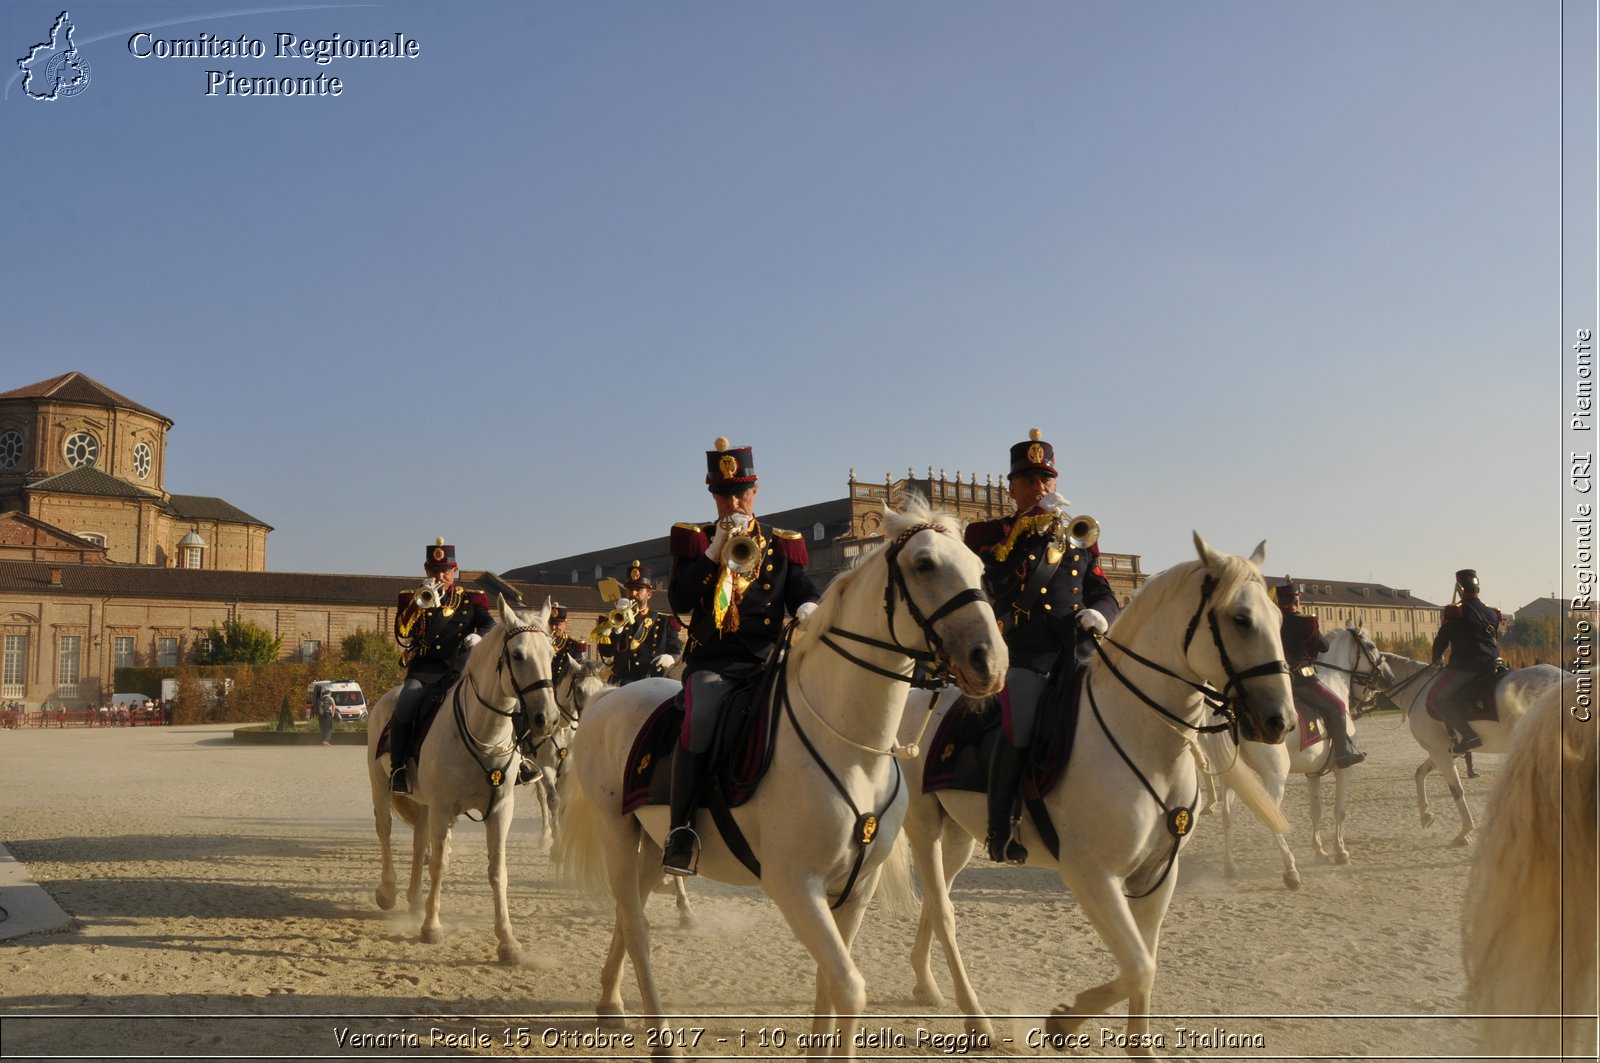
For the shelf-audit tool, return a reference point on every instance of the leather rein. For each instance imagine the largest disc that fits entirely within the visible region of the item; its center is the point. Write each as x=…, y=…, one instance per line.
x=490, y=759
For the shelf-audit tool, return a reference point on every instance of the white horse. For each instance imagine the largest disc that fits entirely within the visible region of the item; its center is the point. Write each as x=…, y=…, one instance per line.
x=1125, y=804
x=1350, y=662
x=1515, y=691
x=824, y=819
x=1528, y=930
x=467, y=762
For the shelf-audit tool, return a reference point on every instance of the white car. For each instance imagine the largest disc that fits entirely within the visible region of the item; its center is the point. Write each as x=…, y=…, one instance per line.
x=349, y=703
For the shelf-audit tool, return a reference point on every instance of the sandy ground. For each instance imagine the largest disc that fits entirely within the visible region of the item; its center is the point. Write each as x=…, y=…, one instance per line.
x=222, y=898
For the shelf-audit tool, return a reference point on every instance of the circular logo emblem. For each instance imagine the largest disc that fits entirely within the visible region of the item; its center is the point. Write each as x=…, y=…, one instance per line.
x=1036, y=454
x=68, y=73
x=729, y=466
x=1179, y=822
x=438, y=553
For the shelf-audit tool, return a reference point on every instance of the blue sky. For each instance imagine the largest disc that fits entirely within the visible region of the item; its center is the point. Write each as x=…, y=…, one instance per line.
x=1266, y=270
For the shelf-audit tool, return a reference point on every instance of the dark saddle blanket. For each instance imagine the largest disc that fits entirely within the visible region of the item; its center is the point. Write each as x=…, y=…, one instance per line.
x=741, y=752
x=965, y=740
x=432, y=700
x=1479, y=694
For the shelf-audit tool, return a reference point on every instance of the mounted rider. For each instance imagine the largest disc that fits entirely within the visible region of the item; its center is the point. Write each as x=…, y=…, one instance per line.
x=735, y=578
x=1467, y=631
x=436, y=625
x=1042, y=570
x=568, y=650
x=637, y=643
x=1303, y=642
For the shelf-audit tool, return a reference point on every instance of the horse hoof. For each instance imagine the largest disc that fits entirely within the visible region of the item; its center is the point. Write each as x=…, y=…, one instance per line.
x=430, y=935
x=1062, y=1022
x=686, y=920
x=1342, y=859
x=1291, y=879
x=1230, y=872
x=510, y=955
x=1427, y=819
x=1462, y=841
x=610, y=1017
x=385, y=899
x=928, y=995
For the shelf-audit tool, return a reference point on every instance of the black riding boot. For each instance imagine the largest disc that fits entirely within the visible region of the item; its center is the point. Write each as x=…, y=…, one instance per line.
x=399, y=755
x=1345, y=753
x=678, y=853
x=1005, y=773
x=1468, y=739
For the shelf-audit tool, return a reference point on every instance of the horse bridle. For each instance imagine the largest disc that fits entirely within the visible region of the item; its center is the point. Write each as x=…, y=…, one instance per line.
x=934, y=655
x=496, y=775
x=1367, y=680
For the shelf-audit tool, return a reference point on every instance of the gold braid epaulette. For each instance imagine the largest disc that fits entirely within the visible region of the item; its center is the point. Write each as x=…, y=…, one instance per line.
x=1038, y=524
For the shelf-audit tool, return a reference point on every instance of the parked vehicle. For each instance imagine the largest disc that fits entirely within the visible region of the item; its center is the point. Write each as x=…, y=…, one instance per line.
x=349, y=703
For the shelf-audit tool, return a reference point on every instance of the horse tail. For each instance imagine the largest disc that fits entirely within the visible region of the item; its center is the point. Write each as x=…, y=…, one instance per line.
x=897, y=893
x=576, y=855
x=1242, y=780
x=1528, y=938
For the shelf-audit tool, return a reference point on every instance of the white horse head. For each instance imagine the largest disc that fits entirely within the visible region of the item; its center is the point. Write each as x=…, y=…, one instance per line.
x=522, y=657
x=1231, y=638
x=916, y=602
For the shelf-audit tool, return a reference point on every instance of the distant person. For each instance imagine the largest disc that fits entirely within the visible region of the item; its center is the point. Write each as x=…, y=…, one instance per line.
x=736, y=613
x=1467, y=635
x=1050, y=596
x=436, y=639
x=1303, y=642
x=645, y=646
x=325, y=717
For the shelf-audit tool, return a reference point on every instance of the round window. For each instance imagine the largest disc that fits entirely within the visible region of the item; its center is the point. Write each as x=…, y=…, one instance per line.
x=11, y=449
x=141, y=461
x=82, y=450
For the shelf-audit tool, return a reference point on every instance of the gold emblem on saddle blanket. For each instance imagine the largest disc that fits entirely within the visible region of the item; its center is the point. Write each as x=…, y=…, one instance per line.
x=644, y=764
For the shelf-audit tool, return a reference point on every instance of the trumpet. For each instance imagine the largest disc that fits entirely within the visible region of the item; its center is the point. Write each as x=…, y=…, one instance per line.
x=741, y=551
x=1082, y=532
x=428, y=596
x=623, y=614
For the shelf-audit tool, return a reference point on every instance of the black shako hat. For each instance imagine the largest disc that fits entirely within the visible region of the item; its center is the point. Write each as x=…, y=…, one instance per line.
x=729, y=470
x=1467, y=580
x=441, y=556
x=639, y=576
x=1033, y=455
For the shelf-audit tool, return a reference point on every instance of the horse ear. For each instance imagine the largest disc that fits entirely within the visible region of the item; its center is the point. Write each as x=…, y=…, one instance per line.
x=1259, y=556
x=507, y=610
x=1208, y=556
x=547, y=610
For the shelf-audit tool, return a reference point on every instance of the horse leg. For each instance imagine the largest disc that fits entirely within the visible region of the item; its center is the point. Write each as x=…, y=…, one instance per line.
x=1458, y=792
x=1148, y=912
x=1422, y=771
x=383, y=815
x=1102, y=901
x=1314, y=792
x=799, y=897
x=1225, y=809
x=438, y=863
x=680, y=889
x=419, y=857
x=497, y=827
x=938, y=917
x=1341, y=779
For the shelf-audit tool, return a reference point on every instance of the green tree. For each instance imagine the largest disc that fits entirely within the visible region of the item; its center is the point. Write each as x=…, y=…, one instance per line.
x=376, y=657
x=1535, y=632
x=238, y=642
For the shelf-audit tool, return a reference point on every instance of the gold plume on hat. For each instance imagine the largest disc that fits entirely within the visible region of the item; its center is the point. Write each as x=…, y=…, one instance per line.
x=720, y=443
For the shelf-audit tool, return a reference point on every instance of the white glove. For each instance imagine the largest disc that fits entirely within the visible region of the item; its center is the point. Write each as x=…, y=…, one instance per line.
x=1093, y=620
x=718, y=541
x=805, y=610
x=664, y=661
x=1053, y=503
x=472, y=639
x=624, y=604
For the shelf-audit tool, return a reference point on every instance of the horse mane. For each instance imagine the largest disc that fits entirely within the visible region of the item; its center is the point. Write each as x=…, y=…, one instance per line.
x=914, y=510
x=1157, y=595
x=1537, y=850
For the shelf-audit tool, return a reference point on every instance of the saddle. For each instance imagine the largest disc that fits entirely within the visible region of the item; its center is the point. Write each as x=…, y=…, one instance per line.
x=966, y=737
x=741, y=750
x=432, y=697
x=1477, y=695
x=1312, y=729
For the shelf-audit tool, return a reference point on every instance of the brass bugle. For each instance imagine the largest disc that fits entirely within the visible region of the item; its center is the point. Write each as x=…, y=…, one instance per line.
x=741, y=553
x=428, y=596
x=1083, y=532
x=622, y=617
